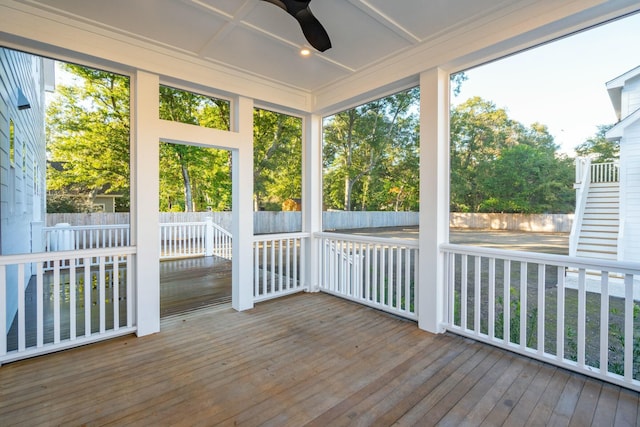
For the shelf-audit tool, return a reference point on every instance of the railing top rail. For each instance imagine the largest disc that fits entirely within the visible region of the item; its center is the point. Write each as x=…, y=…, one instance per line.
x=178, y=224
x=86, y=227
x=64, y=255
x=540, y=258
x=409, y=243
x=221, y=229
x=280, y=236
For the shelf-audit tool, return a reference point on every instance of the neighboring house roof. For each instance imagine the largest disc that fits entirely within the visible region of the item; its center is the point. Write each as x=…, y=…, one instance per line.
x=617, y=131
x=103, y=191
x=614, y=87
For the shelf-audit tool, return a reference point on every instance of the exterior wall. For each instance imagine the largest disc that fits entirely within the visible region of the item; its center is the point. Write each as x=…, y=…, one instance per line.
x=629, y=242
x=22, y=207
x=630, y=97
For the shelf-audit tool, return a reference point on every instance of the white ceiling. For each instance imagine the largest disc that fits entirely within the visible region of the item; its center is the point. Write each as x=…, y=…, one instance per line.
x=256, y=38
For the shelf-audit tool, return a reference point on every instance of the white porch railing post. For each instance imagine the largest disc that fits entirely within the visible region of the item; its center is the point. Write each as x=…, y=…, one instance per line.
x=208, y=236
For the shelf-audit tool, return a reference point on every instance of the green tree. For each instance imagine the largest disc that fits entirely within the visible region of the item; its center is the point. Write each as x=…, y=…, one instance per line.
x=500, y=165
x=599, y=146
x=366, y=148
x=202, y=172
x=277, y=159
x=88, y=138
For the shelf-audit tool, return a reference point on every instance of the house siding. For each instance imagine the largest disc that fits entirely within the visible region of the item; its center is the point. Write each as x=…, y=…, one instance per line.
x=630, y=96
x=22, y=207
x=629, y=244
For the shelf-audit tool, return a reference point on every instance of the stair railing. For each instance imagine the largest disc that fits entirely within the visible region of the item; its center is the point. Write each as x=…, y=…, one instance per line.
x=583, y=165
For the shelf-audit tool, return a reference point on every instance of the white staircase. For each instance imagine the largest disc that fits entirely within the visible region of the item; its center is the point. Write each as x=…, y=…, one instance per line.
x=598, y=235
x=597, y=218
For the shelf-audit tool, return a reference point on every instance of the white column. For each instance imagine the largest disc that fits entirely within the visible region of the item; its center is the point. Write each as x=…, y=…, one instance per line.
x=311, y=195
x=434, y=197
x=242, y=200
x=144, y=204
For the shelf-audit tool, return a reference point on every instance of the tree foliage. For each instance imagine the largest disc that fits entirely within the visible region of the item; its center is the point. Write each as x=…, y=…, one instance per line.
x=194, y=178
x=371, y=159
x=277, y=159
x=500, y=165
x=88, y=139
x=599, y=147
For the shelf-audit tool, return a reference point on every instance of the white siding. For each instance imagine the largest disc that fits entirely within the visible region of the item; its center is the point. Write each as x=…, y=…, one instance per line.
x=17, y=197
x=630, y=96
x=629, y=244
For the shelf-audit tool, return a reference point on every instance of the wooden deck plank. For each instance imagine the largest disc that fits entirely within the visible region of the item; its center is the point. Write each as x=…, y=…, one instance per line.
x=483, y=396
x=627, y=410
x=309, y=359
x=528, y=401
x=587, y=402
x=567, y=402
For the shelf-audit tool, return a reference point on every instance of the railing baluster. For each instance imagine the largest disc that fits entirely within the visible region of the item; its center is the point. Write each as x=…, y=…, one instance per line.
x=541, y=308
x=477, y=294
x=115, y=293
x=102, y=295
x=604, y=322
x=463, y=293
x=560, y=315
x=398, y=304
x=72, y=300
x=87, y=297
x=506, y=305
x=628, y=327
x=582, y=297
x=523, y=304
x=491, y=288
x=39, y=304
x=56, y=301
x=22, y=333
x=280, y=258
x=407, y=279
x=129, y=295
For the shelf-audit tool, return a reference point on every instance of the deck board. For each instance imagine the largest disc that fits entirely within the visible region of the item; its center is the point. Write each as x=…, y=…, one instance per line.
x=308, y=359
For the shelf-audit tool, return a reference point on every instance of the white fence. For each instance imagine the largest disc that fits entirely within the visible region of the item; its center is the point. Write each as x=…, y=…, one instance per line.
x=87, y=301
x=278, y=269
x=380, y=273
x=580, y=314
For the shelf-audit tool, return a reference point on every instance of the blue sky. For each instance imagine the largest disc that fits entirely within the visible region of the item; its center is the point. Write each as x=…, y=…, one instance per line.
x=561, y=84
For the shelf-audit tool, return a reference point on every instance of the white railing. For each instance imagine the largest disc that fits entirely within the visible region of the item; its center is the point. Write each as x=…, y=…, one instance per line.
x=605, y=172
x=278, y=269
x=64, y=237
x=70, y=305
x=177, y=240
x=584, y=166
x=580, y=314
x=380, y=273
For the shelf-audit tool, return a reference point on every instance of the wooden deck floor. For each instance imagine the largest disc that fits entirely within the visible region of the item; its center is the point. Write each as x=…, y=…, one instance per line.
x=309, y=359
x=192, y=283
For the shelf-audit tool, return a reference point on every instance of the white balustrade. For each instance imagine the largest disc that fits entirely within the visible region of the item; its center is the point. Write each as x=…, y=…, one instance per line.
x=605, y=172
x=580, y=314
x=78, y=301
x=278, y=269
x=380, y=273
x=177, y=240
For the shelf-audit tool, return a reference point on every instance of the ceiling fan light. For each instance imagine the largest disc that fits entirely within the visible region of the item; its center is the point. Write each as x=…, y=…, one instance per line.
x=305, y=52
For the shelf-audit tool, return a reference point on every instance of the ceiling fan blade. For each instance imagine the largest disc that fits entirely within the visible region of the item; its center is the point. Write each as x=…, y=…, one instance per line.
x=312, y=29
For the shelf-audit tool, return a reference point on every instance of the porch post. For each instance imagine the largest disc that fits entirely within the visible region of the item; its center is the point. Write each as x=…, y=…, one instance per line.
x=311, y=195
x=242, y=201
x=145, y=218
x=434, y=197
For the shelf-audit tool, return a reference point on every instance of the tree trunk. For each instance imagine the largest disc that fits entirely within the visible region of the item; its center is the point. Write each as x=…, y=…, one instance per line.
x=188, y=197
